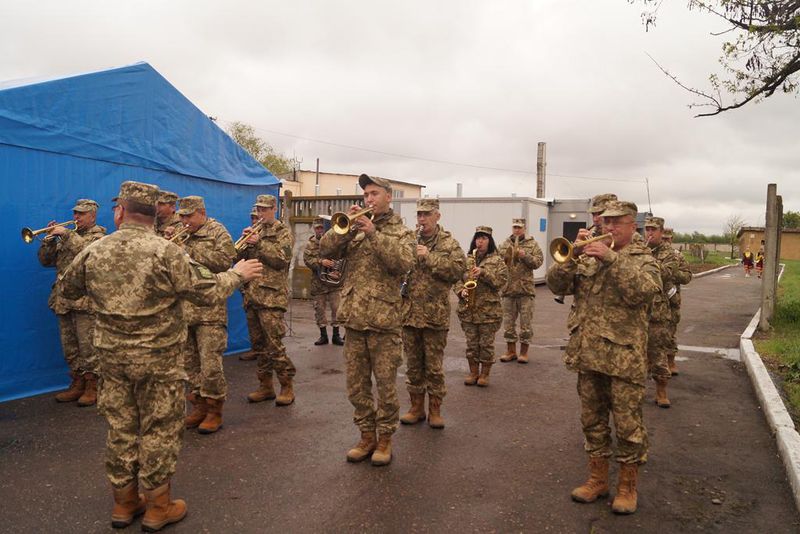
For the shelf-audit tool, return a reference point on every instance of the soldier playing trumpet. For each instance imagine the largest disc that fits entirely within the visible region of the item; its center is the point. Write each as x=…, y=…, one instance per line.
x=325, y=295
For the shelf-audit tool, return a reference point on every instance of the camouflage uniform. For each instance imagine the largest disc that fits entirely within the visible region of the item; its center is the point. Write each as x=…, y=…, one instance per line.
x=173, y=222
x=660, y=340
x=607, y=345
x=682, y=276
x=370, y=311
x=75, y=316
x=519, y=295
x=481, y=322
x=136, y=282
x=268, y=297
x=325, y=295
x=426, y=312
x=211, y=246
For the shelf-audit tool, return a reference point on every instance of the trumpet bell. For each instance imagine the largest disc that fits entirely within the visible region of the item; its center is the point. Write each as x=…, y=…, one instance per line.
x=27, y=235
x=561, y=250
x=341, y=222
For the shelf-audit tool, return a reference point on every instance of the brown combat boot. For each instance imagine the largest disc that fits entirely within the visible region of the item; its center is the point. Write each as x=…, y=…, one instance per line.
x=383, y=453
x=625, y=500
x=417, y=411
x=128, y=503
x=363, y=448
x=76, y=387
x=286, y=396
x=161, y=511
x=89, y=396
x=483, y=380
x=474, y=371
x=672, y=367
x=434, y=412
x=265, y=390
x=661, y=392
x=199, y=410
x=597, y=484
x=213, y=420
x=523, y=353
x=511, y=352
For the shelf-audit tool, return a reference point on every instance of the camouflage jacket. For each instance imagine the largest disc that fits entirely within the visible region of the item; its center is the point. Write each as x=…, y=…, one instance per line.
x=312, y=260
x=428, y=302
x=669, y=266
x=682, y=277
x=376, y=266
x=59, y=253
x=137, y=282
x=211, y=246
x=520, y=276
x=487, y=307
x=174, y=221
x=608, y=321
x=274, y=251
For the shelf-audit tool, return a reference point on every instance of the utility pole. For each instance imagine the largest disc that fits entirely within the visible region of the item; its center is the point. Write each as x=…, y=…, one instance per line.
x=541, y=169
x=771, y=254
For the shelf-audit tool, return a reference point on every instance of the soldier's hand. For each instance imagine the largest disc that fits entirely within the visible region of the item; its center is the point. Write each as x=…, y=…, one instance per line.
x=252, y=237
x=583, y=234
x=464, y=293
x=248, y=269
x=365, y=225
x=57, y=231
x=354, y=208
x=422, y=250
x=475, y=273
x=169, y=231
x=520, y=253
x=327, y=263
x=598, y=250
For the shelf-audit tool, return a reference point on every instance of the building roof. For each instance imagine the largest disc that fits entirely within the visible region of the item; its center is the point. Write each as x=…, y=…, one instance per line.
x=744, y=229
x=355, y=176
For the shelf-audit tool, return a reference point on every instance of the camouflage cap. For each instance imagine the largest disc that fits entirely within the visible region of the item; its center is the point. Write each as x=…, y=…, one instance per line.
x=190, y=204
x=142, y=193
x=167, y=197
x=618, y=208
x=427, y=204
x=364, y=180
x=253, y=212
x=518, y=222
x=654, y=222
x=483, y=230
x=668, y=232
x=85, y=204
x=598, y=203
x=265, y=201
x=318, y=221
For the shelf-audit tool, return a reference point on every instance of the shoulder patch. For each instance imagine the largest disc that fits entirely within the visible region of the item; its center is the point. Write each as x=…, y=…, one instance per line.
x=201, y=271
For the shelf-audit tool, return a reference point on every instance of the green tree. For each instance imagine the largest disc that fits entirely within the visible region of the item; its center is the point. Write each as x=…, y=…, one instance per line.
x=763, y=56
x=791, y=219
x=274, y=161
x=733, y=224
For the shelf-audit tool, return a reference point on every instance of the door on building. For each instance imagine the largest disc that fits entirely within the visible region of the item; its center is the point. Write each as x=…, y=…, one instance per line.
x=570, y=230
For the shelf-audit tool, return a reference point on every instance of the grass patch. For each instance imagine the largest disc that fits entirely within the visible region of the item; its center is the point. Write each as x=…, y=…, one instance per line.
x=712, y=257
x=781, y=346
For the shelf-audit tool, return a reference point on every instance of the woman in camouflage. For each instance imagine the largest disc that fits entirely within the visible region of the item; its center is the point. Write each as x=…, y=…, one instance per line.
x=481, y=312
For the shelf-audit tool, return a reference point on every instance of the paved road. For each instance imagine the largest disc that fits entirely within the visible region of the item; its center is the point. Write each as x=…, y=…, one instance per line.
x=506, y=462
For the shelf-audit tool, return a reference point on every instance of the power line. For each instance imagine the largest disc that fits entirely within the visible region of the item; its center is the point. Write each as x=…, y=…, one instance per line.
x=439, y=161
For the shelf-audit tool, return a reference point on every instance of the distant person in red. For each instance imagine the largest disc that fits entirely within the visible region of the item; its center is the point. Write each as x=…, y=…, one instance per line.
x=747, y=261
x=760, y=262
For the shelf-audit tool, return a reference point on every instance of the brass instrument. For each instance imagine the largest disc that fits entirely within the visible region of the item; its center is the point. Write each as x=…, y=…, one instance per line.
x=333, y=276
x=511, y=253
x=562, y=250
x=241, y=243
x=180, y=237
x=471, y=284
x=341, y=222
x=404, y=285
x=560, y=298
x=29, y=235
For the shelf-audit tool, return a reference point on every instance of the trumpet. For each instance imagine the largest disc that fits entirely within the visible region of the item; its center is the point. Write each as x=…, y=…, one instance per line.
x=563, y=251
x=241, y=243
x=29, y=235
x=180, y=236
x=342, y=222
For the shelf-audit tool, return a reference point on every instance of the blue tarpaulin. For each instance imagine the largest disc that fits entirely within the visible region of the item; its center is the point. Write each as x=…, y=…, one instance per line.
x=80, y=137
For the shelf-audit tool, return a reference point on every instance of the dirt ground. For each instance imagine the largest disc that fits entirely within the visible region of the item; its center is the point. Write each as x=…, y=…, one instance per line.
x=506, y=462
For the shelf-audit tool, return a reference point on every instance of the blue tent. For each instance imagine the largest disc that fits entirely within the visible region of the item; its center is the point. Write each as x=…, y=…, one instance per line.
x=80, y=137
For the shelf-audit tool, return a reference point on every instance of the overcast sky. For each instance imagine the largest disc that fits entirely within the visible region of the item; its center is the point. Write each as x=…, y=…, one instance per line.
x=467, y=81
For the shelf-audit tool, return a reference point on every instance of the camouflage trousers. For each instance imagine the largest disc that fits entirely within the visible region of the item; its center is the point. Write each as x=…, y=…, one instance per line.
x=424, y=351
x=660, y=343
x=76, y=329
x=143, y=402
x=322, y=302
x=202, y=358
x=258, y=344
x=518, y=307
x=480, y=340
x=602, y=395
x=274, y=358
x=673, y=332
x=370, y=353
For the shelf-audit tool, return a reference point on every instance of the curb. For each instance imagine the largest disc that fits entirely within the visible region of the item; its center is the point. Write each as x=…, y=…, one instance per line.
x=778, y=418
x=712, y=271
